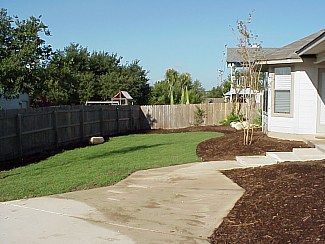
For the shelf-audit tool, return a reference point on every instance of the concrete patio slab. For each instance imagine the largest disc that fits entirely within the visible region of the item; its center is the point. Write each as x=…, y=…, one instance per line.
x=178, y=204
x=51, y=220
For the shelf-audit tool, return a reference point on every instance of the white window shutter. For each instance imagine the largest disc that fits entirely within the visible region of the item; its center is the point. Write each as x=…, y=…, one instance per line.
x=282, y=82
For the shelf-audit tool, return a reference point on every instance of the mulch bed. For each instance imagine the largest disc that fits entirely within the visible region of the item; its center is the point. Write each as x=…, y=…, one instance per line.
x=282, y=203
x=231, y=145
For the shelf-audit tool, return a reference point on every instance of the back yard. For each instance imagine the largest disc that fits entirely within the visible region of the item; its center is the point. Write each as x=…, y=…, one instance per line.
x=283, y=203
x=100, y=165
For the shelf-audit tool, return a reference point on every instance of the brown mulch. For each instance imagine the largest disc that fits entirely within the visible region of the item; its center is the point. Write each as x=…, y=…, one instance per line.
x=231, y=145
x=283, y=203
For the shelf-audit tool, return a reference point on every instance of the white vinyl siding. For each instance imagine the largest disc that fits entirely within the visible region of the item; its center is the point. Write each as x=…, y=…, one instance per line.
x=282, y=90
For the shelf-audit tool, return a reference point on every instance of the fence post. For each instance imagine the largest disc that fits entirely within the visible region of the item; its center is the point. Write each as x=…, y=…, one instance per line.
x=19, y=136
x=117, y=120
x=82, y=123
x=131, y=120
x=55, y=128
x=101, y=116
x=226, y=111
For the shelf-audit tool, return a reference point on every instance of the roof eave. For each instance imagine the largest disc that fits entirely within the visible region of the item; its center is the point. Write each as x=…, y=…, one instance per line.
x=281, y=61
x=305, y=50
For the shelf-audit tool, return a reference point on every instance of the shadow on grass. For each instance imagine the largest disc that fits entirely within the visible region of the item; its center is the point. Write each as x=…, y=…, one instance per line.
x=123, y=150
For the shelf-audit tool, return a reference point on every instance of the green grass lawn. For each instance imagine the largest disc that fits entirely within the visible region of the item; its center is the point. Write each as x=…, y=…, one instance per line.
x=100, y=165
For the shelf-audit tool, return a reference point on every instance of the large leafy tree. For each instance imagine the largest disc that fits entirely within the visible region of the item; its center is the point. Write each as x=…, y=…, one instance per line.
x=111, y=77
x=134, y=80
x=75, y=76
x=69, y=78
x=105, y=68
x=160, y=93
x=23, y=54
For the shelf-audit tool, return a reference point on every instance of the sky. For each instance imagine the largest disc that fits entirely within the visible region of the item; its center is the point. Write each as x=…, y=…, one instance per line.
x=187, y=35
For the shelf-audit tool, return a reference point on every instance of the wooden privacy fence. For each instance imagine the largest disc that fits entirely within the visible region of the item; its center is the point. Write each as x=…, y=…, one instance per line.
x=182, y=116
x=32, y=131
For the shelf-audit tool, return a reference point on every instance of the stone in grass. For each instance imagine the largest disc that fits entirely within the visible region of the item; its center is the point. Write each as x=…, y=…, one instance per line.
x=96, y=140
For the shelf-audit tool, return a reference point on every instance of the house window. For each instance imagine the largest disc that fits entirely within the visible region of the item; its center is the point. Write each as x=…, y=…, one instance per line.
x=282, y=90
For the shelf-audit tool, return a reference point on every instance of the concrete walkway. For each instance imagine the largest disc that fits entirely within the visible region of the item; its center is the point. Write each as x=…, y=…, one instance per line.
x=316, y=152
x=179, y=204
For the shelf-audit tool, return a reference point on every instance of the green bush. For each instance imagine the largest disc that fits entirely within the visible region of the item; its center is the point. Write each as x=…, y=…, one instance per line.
x=232, y=118
x=199, y=115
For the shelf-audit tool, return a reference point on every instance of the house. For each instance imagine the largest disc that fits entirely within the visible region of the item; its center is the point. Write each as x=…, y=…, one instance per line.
x=123, y=98
x=235, y=62
x=213, y=100
x=241, y=94
x=296, y=88
x=20, y=101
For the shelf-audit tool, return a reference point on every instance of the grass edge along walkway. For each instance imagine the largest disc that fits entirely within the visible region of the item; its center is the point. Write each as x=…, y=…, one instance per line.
x=101, y=165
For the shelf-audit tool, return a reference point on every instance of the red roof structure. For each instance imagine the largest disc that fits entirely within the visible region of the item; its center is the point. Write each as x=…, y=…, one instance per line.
x=123, y=98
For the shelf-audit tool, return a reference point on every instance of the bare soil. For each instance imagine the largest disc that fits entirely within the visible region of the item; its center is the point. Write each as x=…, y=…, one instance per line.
x=283, y=203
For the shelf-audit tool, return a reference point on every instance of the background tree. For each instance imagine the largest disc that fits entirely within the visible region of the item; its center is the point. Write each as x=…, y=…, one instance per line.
x=75, y=76
x=221, y=89
x=159, y=93
x=134, y=80
x=177, y=88
x=23, y=55
x=196, y=92
x=69, y=78
x=130, y=77
x=106, y=69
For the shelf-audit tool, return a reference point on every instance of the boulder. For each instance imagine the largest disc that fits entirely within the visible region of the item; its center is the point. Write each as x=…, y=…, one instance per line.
x=96, y=140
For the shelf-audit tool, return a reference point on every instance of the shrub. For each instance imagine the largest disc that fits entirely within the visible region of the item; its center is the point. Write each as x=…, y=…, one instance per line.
x=199, y=115
x=232, y=118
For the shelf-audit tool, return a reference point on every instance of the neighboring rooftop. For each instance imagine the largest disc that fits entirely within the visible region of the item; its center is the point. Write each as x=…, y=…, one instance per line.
x=122, y=97
x=123, y=94
x=234, y=55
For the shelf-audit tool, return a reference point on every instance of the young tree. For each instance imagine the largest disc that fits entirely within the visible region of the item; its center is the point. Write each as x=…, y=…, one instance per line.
x=250, y=73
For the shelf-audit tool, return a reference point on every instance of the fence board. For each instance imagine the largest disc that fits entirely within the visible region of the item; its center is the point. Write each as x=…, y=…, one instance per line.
x=182, y=116
x=30, y=131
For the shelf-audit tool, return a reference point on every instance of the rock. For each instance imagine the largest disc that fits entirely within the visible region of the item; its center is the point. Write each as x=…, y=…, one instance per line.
x=238, y=126
x=233, y=124
x=96, y=140
x=245, y=125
